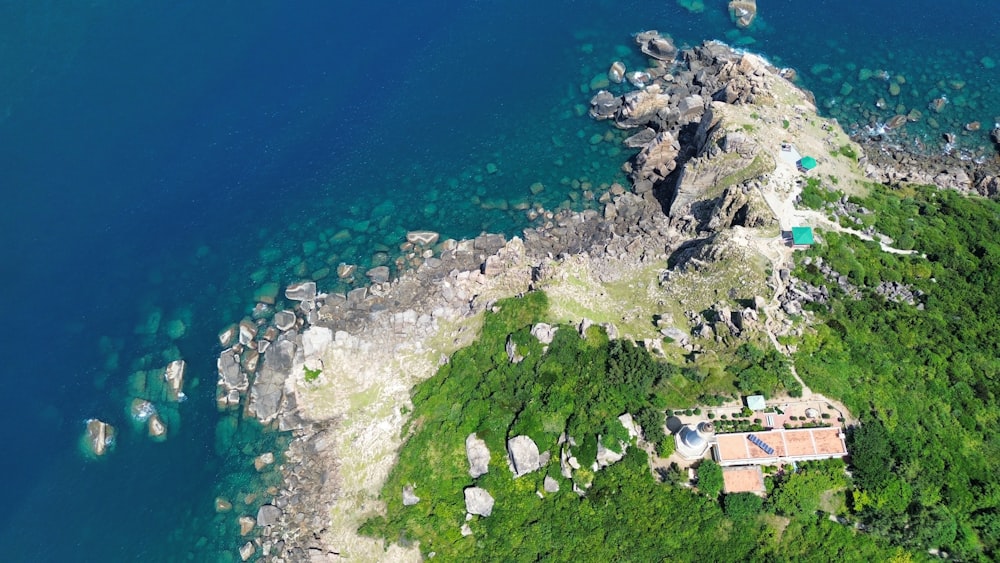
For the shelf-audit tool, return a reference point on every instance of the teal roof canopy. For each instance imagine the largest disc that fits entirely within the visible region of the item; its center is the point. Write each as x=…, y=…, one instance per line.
x=802, y=235
x=756, y=403
x=807, y=162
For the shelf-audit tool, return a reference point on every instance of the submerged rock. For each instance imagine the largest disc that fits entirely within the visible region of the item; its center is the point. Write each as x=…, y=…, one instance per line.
x=247, y=524
x=263, y=460
x=425, y=238
x=222, y=505
x=743, y=12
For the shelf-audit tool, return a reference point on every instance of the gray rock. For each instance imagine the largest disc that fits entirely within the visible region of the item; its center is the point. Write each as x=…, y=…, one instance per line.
x=266, y=393
x=656, y=46
x=315, y=340
x=604, y=105
x=378, y=274
x=356, y=297
x=512, y=354
x=544, y=332
x=640, y=139
x=246, y=552
x=230, y=375
x=478, y=454
x=550, y=485
x=284, y=320
x=606, y=457
x=409, y=498
x=305, y=291
x=523, y=454
x=268, y=515
x=478, y=501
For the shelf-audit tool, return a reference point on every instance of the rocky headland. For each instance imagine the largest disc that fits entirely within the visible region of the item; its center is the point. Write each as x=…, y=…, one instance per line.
x=711, y=194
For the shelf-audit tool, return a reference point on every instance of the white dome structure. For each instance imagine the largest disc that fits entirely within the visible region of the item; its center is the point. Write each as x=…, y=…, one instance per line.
x=693, y=441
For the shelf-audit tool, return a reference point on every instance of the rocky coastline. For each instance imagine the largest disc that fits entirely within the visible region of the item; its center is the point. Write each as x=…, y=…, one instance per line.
x=335, y=370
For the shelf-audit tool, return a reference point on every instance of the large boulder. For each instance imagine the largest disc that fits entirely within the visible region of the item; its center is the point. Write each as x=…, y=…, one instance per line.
x=656, y=46
x=268, y=515
x=523, y=454
x=231, y=377
x=284, y=320
x=99, y=436
x=268, y=387
x=478, y=501
x=604, y=105
x=478, y=454
x=544, y=332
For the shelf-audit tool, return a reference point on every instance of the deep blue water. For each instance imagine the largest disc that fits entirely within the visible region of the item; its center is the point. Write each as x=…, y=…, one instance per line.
x=172, y=157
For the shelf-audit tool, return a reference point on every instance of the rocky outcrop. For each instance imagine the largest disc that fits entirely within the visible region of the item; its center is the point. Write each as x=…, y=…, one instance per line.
x=267, y=390
x=523, y=455
x=655, y=162
x=478, y=455
x=478, y=501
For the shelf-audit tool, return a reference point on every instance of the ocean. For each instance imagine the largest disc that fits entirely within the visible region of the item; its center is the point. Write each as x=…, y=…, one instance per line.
x=161, y=163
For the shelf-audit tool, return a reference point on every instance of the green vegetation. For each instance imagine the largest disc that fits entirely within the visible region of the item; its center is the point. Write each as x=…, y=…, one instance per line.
x=710, y=478
x=578, y=387
x=847, y=151
x=925, y=381
x=763, y=372
x=312, y=374
x=815, y=196
x=785, y=124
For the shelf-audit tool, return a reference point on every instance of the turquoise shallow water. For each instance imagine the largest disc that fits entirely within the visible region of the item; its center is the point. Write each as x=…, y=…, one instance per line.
x=167, y=161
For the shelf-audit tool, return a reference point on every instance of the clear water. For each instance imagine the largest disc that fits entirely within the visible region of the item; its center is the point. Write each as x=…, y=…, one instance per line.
x=169, y=159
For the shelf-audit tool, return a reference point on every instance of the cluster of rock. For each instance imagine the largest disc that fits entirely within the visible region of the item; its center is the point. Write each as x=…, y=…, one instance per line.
x=152, y=407
x=896, y=166
x=798, y=292
x=697, y=165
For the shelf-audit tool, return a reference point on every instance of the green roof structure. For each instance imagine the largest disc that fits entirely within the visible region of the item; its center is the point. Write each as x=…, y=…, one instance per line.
x=807, y=163
x=802, y=236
